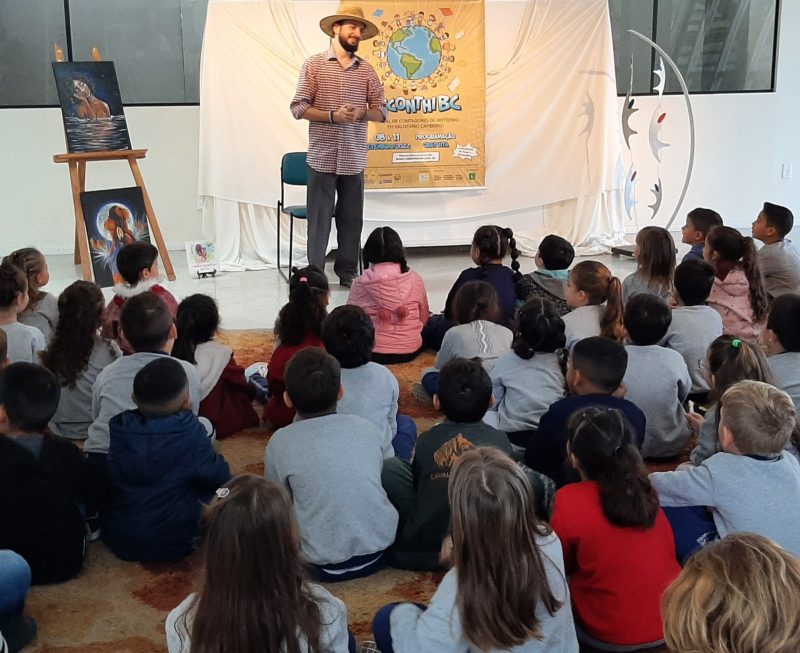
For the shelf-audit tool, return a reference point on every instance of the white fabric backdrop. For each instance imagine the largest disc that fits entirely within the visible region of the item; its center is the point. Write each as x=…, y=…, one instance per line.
x=552, y=138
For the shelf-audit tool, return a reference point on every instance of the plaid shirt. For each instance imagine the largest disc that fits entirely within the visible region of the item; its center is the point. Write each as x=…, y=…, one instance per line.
x=325, y=85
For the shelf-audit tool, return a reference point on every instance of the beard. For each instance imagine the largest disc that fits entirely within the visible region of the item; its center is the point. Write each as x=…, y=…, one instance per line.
x=347, y=46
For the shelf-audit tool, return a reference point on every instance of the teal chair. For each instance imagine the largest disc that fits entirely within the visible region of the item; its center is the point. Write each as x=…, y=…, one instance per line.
x=293, y=173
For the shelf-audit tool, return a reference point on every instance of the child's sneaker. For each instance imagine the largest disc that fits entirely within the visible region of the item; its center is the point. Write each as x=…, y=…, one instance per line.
x=368, y=647
x=256, y=375
x=419, y=393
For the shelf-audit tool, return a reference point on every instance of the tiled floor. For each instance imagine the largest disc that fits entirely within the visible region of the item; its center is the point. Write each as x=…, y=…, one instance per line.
x=251, y=300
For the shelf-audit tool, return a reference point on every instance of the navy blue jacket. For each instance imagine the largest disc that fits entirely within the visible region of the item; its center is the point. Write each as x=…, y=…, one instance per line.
x=499, y=276
x=163, y=470
x=546, y=451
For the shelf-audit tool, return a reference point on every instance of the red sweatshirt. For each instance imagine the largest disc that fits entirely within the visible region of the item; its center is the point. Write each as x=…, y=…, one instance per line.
x=276, y=412
x=617, y=574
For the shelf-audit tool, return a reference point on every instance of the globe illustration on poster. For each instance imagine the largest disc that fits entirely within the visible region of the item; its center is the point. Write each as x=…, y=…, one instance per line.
x=414, y=52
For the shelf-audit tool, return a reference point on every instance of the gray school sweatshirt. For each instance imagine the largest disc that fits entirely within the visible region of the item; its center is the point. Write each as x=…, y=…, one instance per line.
x=438, y=629
x=113, y=390
x=785, y=368
x=743, y=493
x=479, y=339
x=582, y=322
x=658, y=383
x=636, y=284
x=524, y=389
x=332, y=466
x=24, y=342
x=780, y=266
x=74, y=413
x=371, y=391
x=44, y=317
x=692, y=330
x=708, y=440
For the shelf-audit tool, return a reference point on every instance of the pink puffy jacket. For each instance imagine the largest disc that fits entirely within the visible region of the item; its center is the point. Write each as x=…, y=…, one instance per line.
x=731, y=298
x=397, y=304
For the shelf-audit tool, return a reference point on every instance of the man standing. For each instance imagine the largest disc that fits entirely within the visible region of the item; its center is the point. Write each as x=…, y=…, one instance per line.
x=338, y=92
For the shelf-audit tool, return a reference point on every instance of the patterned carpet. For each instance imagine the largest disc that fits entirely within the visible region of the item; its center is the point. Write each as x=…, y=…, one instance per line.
x=120, y=607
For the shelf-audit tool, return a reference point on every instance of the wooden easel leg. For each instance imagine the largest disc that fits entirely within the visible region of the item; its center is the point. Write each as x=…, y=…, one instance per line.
x=151, y=217
x=81, y=237
x=82, y=179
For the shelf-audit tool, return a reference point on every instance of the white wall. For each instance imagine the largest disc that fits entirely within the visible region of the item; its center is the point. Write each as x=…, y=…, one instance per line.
x=35, y=198
x=742, y=142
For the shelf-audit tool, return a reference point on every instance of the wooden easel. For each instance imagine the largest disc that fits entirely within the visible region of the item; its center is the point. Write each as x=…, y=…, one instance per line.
x=77, y=177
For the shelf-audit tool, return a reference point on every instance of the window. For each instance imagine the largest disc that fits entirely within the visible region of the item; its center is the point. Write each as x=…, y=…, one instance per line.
x=720, y=46
x=155, y=45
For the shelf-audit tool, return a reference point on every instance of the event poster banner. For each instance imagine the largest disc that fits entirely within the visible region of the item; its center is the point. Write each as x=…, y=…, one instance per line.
x=430, y=59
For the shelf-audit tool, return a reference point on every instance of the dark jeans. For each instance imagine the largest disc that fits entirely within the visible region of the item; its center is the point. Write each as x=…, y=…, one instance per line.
x=394, y=359
x=434, y=330
x=406, y=438
x=693, y=528
x=333, y=573
x=430, y=381
x=338, y=197
x=381, y=627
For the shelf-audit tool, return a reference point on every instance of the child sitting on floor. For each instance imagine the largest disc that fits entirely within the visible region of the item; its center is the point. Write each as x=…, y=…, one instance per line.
x=619, y=552
x=148, y=327
x=490, y=246
x=226, y=399
x=477, y=334
x=331, y=464
x=728, y=361
x=656, y=378
x=371, y=391
x=694, y=324
x=76, y=355
x=394, y=297
x=42, y=309
x=655, y=264
x=549, y=281
x=507, y=589
x=138, y=265
x=529, y=379
x=751, y=485
x=778, y=259
x=162, y=466
x=23, y=342
x=253, y=593
x=782, y=342
x=738, y=292
x=699, y=222
x=596, y=298
x=299, y=325
x=3, y=349
x=419, y=489
x=737, y=595
x=42, y=478
x=595, y=370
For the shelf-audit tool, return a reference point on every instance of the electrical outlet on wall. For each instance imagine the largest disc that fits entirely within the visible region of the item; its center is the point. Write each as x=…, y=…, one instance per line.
x=786, y=171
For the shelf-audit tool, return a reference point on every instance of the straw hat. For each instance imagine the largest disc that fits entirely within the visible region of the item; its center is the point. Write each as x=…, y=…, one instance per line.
x=348, y=12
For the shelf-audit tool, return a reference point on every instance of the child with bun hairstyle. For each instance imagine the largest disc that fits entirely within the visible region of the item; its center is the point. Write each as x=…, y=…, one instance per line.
x=655, y=264
x=42, y=310
x=23, y=342
x=77, y=354
x=529, y=378
x=737, y=595
x=226, y=399
x=254, y=594
x=393, y=296
x=729, y=360
x=299, y=325
x=490, y=246
x=507, y=590
x=738, y=292
x=619, y=552
x=596, y=297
